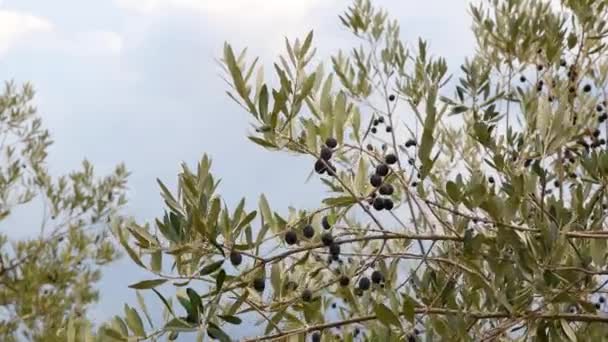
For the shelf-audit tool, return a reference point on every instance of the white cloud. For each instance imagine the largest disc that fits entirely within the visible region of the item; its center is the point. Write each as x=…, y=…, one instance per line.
x=98, y=43
x=16, y=26
x=231, y=7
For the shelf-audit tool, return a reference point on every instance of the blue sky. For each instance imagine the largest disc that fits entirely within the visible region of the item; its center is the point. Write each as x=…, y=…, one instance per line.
x=136, y=81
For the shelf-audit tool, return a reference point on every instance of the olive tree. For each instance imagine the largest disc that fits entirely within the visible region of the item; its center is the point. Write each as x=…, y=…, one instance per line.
x=47, y=279
x=458, y=208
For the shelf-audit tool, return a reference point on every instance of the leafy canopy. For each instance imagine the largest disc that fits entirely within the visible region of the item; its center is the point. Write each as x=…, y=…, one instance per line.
x=47, y=280
x=461, y=205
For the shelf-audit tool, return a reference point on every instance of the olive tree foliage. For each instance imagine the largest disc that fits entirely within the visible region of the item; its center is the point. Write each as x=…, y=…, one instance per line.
x=458, y=208
x=47, y=280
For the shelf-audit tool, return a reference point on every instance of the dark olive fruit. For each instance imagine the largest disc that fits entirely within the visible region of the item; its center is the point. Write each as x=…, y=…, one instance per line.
x=598, y=305
x=602, y=141
x=364, y=283
x=551, y=98
x=374, y=130
x=331, y=142
x=236, y=258
x=382, y=170
x=334, y=249
x=320, y=166
x=596, y=133
x=316, y=337
x=587, y=88
x=539, y=67
x=522, y=79
x=411, y=338
x=308, y=231
x=377, y=277
x=388, y=204
x=326, y=153
x=391, y=97
x=389, y=129
x=390, y=159
x=410, y=143
x=325, y=222
x=491, y=180
x=599, y=108
x=539, y=87
x=344, y=281
x=356, y=332
x=416, y=332
x=291, y=237
x=307, y=295
x=386, y=189
x=562, y=62
x=602, y=117
x=556, y=183
x=370, y=147
x=571, y=89
x=381, y=119
x=375, y=181
x=602, y=299
x=376, y=122
x=327, y=239
x=333, y=305
x=378, y=203
x=259, y=284
x=414, y=184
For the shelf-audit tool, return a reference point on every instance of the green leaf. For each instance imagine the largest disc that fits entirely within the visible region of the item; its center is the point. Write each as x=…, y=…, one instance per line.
x=148, y=284
x=142, y=305
x=131, y=253
x=211, y=268
x=427, y=141
x=568, y=330
x=408, y=308
x=263, y=102
x=266, y=213
x=275, y=277
x=247, y=219
x=156, y=260
x=340, y=201
x=71, y=331
x=386, y=316
x=218, y=332
x=162, y=298
x=306, y=44
x=178, y=325
x=598, y=251
x=110, y=332
x=219, y=281
x=361, y=177
x=134, y=321
x=307, y=86
x=231, y=319
x=452, y=189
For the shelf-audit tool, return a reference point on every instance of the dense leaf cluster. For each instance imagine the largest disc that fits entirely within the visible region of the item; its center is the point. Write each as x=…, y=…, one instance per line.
x=478, y=215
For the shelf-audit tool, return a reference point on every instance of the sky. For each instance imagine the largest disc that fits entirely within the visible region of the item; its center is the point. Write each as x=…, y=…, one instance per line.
x=136, y=81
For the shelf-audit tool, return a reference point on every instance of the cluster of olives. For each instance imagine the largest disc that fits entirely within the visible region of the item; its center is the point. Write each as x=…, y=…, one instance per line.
x=383, y=202
x=380, y=121
x=323, y=164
